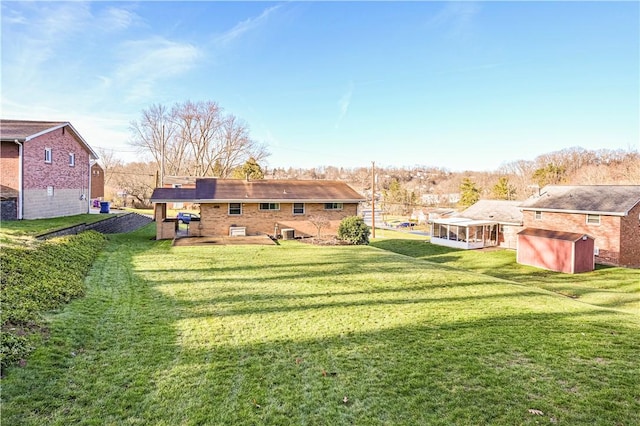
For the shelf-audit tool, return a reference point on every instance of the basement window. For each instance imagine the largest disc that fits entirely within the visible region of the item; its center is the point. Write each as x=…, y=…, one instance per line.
x=235, y=209
x=593, y=219
x=269, y=206
x=47, y=155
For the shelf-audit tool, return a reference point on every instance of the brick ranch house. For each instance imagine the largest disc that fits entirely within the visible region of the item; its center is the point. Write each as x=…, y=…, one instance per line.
x=44, y=170
x=258, y=207
x=608, y=213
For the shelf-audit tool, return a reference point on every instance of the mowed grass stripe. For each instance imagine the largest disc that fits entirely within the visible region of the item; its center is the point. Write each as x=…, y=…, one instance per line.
x=282, y=334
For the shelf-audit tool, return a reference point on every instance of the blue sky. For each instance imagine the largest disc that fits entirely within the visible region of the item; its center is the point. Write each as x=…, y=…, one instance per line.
x=459, y=85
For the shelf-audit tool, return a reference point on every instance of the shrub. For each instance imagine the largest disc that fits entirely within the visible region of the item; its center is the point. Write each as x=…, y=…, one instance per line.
x=353, y=230
x=36, y=280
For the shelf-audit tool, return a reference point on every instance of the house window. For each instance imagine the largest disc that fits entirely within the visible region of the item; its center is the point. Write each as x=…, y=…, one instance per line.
x=47, y=155
x=72, y=159
x=333, y=206
x=298, y=208
x=49, y=191
x=235, y=209
x=538, y=215
x=269, y=206
x=593, y=219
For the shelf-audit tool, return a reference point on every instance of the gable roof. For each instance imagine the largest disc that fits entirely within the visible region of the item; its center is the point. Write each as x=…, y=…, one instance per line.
x=211, y=190
x=613, y=200
x=501, y=211
x=554, y=235
x=25, y=130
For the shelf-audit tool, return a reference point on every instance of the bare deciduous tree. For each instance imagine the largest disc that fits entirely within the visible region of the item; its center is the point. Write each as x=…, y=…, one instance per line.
x=320, y=222
x=195, y=139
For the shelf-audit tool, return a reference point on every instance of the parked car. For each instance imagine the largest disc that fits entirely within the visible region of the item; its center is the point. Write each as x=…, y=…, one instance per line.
x=184, y=217
x=405, y=225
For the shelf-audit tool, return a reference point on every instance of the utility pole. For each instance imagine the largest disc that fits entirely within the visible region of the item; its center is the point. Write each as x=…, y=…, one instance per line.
x=373, y=199
x=162, y=159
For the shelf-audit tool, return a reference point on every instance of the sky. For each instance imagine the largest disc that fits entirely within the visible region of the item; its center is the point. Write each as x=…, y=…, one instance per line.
x=455, y=85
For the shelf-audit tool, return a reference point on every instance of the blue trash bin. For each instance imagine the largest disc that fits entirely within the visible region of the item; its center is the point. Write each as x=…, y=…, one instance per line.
x=104, y=207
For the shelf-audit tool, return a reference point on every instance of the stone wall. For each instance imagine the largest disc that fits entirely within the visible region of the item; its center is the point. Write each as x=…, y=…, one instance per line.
x=9, y=209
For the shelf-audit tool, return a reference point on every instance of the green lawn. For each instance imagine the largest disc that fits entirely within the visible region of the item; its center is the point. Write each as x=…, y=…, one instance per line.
x=20, y=232
x=617, y=288
x=300, y=334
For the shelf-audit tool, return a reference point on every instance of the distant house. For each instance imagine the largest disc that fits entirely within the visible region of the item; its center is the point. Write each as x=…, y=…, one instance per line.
x=608, y=213
x=487, y=223
x=255, y=207
x=507, y=214
x=44, y=170
x=97, y=181
x=179, y=182
x=424, y=215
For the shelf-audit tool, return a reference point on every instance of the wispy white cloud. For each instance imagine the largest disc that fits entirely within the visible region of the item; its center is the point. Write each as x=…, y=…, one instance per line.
x=145, y=62
x=118, y=19
x=343, y=103
x=245, y=26
x=455, y=18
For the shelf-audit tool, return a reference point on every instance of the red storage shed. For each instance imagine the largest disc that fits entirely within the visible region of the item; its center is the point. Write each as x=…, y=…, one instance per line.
x=559, y=251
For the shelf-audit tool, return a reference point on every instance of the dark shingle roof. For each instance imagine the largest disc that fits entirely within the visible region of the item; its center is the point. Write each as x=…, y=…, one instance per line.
x=21, y=129
x=174, y=194
x=495, y=210
x=596, y=199
x=25, y=130
x=237, y=190
x=554, y=235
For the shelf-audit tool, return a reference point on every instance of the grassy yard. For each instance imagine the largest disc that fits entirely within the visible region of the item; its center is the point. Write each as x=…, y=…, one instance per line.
x=300, y=334
x=19, y=232
x=616, y=288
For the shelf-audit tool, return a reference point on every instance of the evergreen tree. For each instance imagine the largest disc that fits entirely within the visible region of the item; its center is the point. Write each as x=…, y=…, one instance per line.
x=249, y=170
x=469, y=193
x=503, y=190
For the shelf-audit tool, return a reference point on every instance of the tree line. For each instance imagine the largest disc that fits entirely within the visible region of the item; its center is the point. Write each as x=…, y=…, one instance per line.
x=199, y=139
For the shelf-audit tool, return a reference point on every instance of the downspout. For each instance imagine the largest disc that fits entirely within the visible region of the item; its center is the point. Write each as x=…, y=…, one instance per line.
x=88, y=195
x=20, y=188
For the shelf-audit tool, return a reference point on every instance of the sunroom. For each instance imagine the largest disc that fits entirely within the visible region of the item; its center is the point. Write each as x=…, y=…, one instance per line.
x=463, y=233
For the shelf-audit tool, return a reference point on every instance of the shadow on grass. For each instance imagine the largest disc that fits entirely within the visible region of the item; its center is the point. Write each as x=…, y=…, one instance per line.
x=604, y=286
x=129, y=353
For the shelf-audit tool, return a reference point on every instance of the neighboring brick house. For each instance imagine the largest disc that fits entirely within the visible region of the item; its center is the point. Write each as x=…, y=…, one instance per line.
x=97, y=181
x=44, y=170
x=608, y=213
x=258, y=207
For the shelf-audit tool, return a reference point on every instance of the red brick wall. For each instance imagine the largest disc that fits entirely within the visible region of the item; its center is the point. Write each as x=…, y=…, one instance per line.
x=216, y=221
x=97, y=181
x=607, y=234
x=58, y=173
x=9, y=165
x=630, y=239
